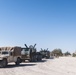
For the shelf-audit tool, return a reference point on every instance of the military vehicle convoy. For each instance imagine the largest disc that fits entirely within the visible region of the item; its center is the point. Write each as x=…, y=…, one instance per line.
x=45, y=53
x=19, y=54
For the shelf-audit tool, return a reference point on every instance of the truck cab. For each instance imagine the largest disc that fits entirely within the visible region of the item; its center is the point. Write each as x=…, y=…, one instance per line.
x=6, y=54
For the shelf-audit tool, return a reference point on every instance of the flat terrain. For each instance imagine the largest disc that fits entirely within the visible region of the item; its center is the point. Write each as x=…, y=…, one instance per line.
x=57, y=66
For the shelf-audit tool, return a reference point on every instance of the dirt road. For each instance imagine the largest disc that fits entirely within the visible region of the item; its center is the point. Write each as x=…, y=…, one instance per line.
x=58, y=66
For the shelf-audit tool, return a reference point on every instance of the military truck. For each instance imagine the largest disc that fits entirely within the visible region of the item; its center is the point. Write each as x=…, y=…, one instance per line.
x=10, y=54
x=30, y=53
x=45, y=53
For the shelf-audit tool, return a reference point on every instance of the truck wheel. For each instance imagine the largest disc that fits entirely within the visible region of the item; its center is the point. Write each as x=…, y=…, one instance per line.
x=18, y=61
x=4, y=63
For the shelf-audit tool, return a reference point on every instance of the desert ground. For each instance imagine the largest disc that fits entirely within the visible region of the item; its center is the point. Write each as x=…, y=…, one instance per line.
x=57, y=66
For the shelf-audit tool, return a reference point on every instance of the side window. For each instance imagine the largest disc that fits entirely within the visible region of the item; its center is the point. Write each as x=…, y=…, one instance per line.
x=5, y=52
x=0, y=52
x=11, y=53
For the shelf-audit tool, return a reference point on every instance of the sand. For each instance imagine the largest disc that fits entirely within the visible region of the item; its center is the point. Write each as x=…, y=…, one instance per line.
x=57, y=66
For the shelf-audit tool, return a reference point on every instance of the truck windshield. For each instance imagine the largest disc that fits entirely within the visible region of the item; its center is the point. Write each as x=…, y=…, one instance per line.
x=25, y=51
x=4, y=52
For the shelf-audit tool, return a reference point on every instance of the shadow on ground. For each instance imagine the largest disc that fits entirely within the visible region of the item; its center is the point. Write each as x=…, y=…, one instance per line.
x=21, y=65
x=42, y=61
x=26, y=64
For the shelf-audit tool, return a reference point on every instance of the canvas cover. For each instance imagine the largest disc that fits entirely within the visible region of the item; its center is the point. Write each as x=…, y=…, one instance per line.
x=16, y=50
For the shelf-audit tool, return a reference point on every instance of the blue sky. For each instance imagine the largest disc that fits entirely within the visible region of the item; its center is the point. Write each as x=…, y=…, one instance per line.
x=49, y=23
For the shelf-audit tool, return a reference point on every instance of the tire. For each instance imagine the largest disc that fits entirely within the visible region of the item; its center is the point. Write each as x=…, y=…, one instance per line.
x=18, y=61
x=3, y=63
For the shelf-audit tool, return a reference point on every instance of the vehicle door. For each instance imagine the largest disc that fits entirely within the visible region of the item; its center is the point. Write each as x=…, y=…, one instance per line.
x=11, y=57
